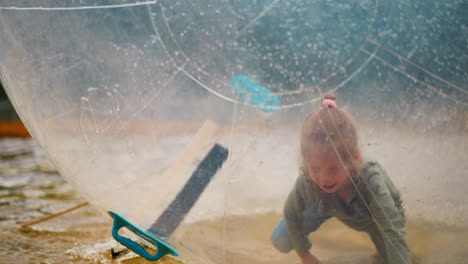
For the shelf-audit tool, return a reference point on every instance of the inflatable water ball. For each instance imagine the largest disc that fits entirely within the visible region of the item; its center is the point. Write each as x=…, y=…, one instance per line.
x=181, y=119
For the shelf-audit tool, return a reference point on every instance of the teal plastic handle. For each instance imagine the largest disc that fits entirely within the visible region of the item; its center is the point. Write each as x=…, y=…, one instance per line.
x=163, y=248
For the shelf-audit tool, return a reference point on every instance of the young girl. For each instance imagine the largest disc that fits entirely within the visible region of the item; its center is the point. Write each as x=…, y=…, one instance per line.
x=335, y=182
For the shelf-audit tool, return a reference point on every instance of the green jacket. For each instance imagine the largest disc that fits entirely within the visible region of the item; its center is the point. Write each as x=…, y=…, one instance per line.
x=375, y=207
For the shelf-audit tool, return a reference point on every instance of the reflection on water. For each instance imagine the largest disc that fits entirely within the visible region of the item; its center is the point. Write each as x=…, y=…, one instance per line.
x=30, y=188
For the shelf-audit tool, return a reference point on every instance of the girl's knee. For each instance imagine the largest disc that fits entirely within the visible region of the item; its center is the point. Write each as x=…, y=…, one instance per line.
x=280, y=238
x=281, y=244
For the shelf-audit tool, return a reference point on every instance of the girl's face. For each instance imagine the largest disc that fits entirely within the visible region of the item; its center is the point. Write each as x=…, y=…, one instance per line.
x=326, y=170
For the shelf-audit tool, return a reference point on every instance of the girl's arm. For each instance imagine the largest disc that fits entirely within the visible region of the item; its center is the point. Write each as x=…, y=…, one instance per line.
x=293, y=216
x=389, y=234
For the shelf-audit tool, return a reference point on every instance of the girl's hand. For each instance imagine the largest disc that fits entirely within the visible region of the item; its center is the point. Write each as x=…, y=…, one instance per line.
x=307, y=258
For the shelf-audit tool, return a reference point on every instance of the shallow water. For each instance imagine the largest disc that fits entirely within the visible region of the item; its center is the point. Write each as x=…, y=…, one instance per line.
x=30, y=188
x=334, y=242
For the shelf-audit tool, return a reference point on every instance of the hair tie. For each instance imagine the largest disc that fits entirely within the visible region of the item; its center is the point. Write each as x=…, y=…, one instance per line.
x=328, y=103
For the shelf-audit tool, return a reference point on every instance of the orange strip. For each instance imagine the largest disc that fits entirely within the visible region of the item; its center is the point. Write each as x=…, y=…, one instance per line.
x=13, y=129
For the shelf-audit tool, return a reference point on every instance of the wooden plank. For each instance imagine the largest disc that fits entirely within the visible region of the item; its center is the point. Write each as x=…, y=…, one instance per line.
x=173, y=176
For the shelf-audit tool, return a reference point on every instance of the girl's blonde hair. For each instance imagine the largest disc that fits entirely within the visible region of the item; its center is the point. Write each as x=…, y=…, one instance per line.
x=329, y=127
